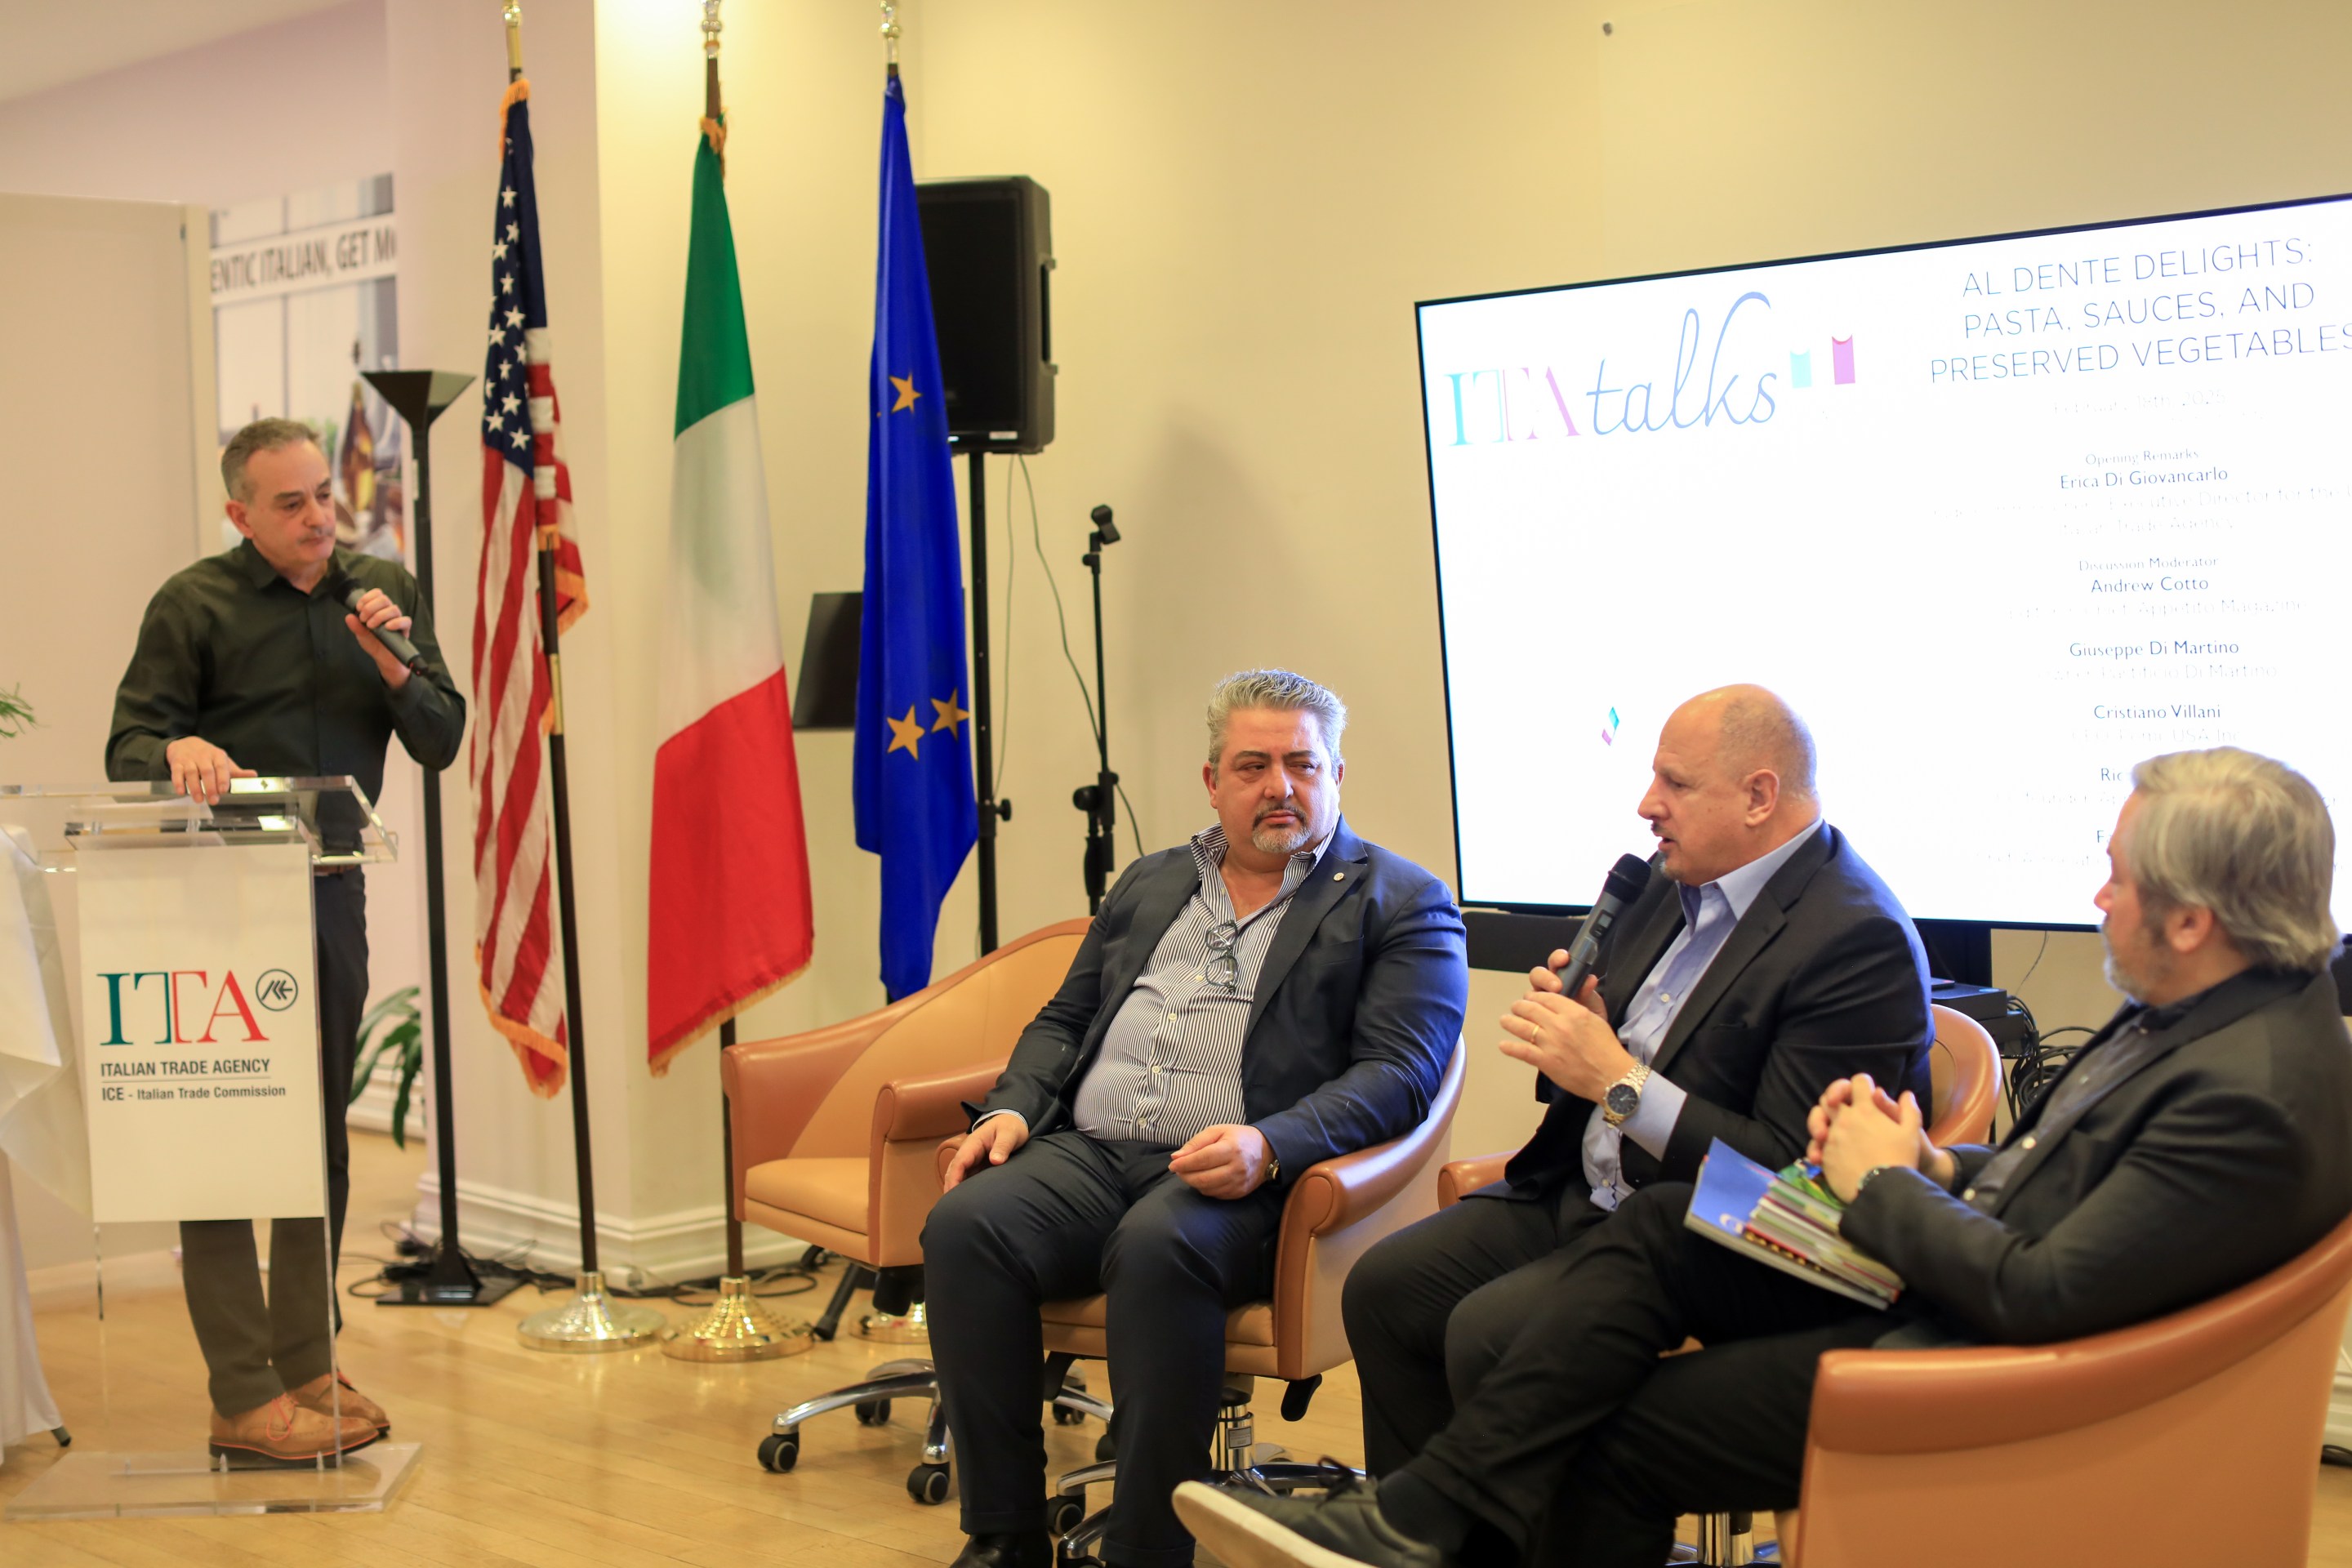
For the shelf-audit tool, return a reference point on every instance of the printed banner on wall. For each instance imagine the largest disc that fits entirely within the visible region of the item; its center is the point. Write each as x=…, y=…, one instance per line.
x=200, y=1033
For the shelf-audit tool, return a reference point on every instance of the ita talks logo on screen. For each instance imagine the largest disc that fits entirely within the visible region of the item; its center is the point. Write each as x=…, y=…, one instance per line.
x=1722, y=373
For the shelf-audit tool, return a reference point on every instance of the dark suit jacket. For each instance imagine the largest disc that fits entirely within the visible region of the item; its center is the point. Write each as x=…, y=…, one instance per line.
x=1359, y=1004
x=1822, y=978
x=2221, y=1158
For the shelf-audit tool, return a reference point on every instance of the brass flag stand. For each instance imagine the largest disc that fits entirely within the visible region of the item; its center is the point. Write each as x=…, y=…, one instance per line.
x=736, y=1328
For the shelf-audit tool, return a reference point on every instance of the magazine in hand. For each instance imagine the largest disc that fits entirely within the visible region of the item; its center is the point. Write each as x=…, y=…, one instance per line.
x=1787, y=1220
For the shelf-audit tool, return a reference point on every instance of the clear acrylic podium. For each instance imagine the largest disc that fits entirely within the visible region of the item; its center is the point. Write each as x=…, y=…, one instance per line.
x=185, y=944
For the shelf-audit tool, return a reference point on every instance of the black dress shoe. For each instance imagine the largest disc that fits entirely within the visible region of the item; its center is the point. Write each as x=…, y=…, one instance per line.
x=1249, y=1528
x=1026, y=1549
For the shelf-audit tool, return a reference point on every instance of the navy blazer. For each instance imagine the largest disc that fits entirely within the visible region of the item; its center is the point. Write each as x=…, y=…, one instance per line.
x=1359, y=1004
x=1822, y=978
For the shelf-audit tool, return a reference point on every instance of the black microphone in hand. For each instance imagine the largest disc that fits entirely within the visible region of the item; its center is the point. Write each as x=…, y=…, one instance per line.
x=399, y=647
x=1626, y=880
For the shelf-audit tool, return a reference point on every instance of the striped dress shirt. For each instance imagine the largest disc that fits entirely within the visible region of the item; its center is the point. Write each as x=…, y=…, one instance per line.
x=1171, y=1061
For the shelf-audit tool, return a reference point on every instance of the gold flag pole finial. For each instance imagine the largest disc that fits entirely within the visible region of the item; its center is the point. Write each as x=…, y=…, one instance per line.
x=891, y=35
x=714, y=122
x=512, y=11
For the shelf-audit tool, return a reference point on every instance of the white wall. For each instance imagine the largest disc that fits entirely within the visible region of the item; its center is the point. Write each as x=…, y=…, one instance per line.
x=286, y=107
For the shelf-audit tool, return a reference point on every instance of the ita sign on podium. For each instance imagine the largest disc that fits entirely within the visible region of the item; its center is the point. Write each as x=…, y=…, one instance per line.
x=200, y=1033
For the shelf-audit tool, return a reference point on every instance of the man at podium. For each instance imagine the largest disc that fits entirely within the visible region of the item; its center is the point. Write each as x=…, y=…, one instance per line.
x=251, y=662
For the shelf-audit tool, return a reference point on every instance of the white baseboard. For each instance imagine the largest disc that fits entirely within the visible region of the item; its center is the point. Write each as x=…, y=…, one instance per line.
x=525, y=1228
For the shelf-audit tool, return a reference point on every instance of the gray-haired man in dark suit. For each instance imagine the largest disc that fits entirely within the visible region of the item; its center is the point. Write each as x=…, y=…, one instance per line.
x=1274, y=993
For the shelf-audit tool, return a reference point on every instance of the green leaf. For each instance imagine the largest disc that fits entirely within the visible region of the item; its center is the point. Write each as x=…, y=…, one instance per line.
x=400, y=1106
x=404, y=1042
x=16, y=714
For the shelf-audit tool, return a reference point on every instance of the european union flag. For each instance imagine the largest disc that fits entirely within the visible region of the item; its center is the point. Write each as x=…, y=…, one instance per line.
x=913, y=778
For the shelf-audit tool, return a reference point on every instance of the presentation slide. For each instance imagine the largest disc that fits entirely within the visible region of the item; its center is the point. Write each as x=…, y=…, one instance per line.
x=1999, y=517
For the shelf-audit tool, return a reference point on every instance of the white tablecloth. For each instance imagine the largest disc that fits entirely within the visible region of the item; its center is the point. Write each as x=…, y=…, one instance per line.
x=41, y=1129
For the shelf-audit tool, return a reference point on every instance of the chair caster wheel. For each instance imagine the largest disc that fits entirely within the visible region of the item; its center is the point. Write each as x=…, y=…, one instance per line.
x=780, y=1451
x=1066, y=1417
x=873, y=1412
x=928, y=1484
x=1067, y=1556
x=1063, y=1514
x=1104, y=1450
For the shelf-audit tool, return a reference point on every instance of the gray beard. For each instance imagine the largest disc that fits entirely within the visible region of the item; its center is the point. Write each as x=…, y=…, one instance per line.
x=2116, y=976
x=2114, y=972
x=1274, y=841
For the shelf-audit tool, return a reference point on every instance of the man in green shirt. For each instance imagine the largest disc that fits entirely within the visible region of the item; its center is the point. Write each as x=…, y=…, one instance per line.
x=249, y=662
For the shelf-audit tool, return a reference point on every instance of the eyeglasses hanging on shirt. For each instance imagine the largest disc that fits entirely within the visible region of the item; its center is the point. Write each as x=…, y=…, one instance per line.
x=1222, y=968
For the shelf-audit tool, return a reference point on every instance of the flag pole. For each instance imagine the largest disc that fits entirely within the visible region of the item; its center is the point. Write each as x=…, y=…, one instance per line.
x=736, y=1328
x=591, y=1321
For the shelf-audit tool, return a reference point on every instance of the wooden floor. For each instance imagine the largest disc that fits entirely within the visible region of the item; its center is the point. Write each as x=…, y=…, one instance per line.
x=530, y=1457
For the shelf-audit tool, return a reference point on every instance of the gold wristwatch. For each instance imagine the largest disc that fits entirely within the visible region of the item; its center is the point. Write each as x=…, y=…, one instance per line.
x=1623, y=1098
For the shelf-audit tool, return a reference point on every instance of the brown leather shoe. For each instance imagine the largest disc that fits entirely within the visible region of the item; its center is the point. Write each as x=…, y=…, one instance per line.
x=349, y=1402
x=283, y=1433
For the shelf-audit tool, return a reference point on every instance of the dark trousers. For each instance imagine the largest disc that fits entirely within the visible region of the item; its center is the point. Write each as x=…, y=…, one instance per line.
x=1431, y=1309
x=1069, y=1217
x=1579, y=1444
x=256, y=1349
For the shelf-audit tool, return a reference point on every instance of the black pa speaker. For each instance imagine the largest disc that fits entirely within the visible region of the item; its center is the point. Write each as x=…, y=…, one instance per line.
x=989, y=247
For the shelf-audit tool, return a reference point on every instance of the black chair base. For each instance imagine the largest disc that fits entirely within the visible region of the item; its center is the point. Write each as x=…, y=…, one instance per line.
x=1235, y=1458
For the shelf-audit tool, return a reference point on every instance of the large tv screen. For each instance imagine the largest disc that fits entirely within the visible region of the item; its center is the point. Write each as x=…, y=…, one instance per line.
x=2000, y=517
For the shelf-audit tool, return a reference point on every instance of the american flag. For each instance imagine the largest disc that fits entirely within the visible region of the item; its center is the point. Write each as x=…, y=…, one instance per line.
x=526, y=494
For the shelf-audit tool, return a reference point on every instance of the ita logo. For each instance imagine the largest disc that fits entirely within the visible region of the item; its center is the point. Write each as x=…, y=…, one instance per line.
x=189, y=1007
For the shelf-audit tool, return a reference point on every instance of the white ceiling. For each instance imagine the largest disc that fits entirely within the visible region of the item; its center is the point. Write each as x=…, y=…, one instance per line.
x=49, y=43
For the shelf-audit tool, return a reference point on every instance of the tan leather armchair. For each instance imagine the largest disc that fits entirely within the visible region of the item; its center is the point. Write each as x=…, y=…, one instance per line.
x=833, y=1135
x=1336, y=1210
x=2193, y=1439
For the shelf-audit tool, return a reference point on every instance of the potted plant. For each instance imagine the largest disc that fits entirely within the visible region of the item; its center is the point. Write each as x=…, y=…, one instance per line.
x=402, y=1042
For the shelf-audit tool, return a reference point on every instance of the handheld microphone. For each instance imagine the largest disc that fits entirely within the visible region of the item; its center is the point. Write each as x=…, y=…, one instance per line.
x=1626, y=880
x=399, y=647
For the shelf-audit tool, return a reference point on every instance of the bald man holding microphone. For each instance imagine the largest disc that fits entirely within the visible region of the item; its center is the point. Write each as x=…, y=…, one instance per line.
x=1762, y=962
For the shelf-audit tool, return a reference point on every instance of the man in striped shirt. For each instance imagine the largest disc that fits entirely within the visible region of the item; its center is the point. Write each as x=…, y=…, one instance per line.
x=1274, y=993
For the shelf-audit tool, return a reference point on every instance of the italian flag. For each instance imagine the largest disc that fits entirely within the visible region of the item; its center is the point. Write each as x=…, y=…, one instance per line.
x=731, y=918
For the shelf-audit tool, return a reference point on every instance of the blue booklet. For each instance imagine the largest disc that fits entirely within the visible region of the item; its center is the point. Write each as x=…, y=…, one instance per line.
x=1785, y=1220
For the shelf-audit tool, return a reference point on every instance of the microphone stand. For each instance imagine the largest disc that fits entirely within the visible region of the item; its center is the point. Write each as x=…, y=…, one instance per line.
x=1099, y=800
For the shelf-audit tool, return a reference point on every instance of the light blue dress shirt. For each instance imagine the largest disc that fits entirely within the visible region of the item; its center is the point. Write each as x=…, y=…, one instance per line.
x=1709, y=913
